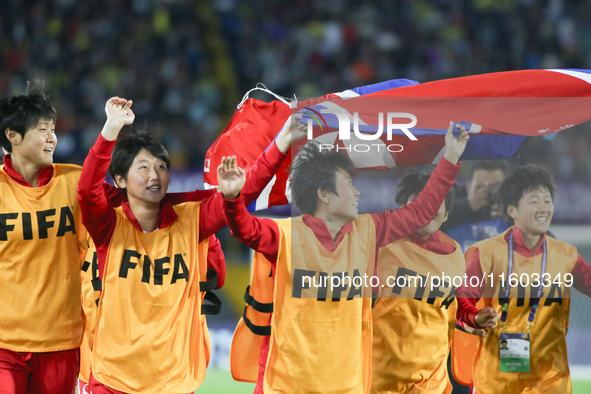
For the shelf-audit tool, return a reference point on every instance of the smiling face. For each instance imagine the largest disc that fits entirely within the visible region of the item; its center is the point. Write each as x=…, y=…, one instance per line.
x=343, y=205
x=37, y=146
x=435, y=224
x=534, y=212
x=147, y=180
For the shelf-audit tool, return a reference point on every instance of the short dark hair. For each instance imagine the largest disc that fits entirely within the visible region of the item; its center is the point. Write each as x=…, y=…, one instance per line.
x=414, y=182
x=129, y=145
x=488, y=165
x=24, y=111
x=522, y=180
x=313, y=169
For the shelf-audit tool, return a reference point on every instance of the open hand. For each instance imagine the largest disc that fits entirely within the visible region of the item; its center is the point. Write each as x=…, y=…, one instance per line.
x=295, y=132
x=454, y=147
x=119, y=110
x=231, y=178
x=119, y=114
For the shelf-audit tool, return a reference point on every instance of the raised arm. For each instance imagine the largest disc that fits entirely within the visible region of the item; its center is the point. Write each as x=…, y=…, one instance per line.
x=258, y=234
x=261, y=235
x=97, y=215
x=258, y=177
x=395, y=224
x=113, y=194
x=260, y=173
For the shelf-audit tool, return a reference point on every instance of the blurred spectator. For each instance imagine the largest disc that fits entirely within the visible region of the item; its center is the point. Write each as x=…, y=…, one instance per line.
x=88, y=51
x=162, y=54
x=477, y=216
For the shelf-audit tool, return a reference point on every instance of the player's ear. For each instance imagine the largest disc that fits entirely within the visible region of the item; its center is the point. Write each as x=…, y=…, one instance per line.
x=445, y=217
x=13, y=137
x=323, y=195
x=120, y=182
x=512, y=211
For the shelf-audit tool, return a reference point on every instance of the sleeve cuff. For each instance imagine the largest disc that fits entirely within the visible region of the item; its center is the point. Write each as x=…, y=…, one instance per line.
x=103, y=147
x=470, y=321
x=448, y=170
x=274, y=155
x=234, y=205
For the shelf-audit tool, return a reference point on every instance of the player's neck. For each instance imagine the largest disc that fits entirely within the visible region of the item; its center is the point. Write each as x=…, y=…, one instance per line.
x=334, y=227
x=532, y=241
x=146, y=214
x=426, y=234
x=28, y=170
x=333, y=223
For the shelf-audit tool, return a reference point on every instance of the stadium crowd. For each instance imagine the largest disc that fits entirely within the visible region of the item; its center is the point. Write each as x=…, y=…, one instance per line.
x=165, y=58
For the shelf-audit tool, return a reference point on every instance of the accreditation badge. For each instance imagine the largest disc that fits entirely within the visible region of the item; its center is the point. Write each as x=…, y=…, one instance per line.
x=514, y=351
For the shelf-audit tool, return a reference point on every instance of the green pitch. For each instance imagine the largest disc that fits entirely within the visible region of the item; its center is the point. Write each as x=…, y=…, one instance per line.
x=582, y=386
x=218, y=381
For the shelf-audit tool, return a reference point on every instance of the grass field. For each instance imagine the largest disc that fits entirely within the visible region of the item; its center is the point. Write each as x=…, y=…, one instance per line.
x=218, y=381
x=582, y=386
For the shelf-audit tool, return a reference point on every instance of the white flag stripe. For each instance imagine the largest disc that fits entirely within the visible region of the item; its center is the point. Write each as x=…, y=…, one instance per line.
x=263, y=200
x=439, y=155
x=335, y=107
x=347, y=93
x=288, y=190
x=577, y=74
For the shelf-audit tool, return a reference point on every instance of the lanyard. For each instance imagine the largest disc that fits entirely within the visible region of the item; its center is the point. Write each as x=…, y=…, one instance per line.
x=535, y=301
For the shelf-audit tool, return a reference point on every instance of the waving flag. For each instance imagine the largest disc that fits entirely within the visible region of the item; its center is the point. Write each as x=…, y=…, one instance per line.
x=500, y=109
x=253, y=128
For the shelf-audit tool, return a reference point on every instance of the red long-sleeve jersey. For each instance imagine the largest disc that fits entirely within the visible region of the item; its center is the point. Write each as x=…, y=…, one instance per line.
x=99, y=217
x=262, y=235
